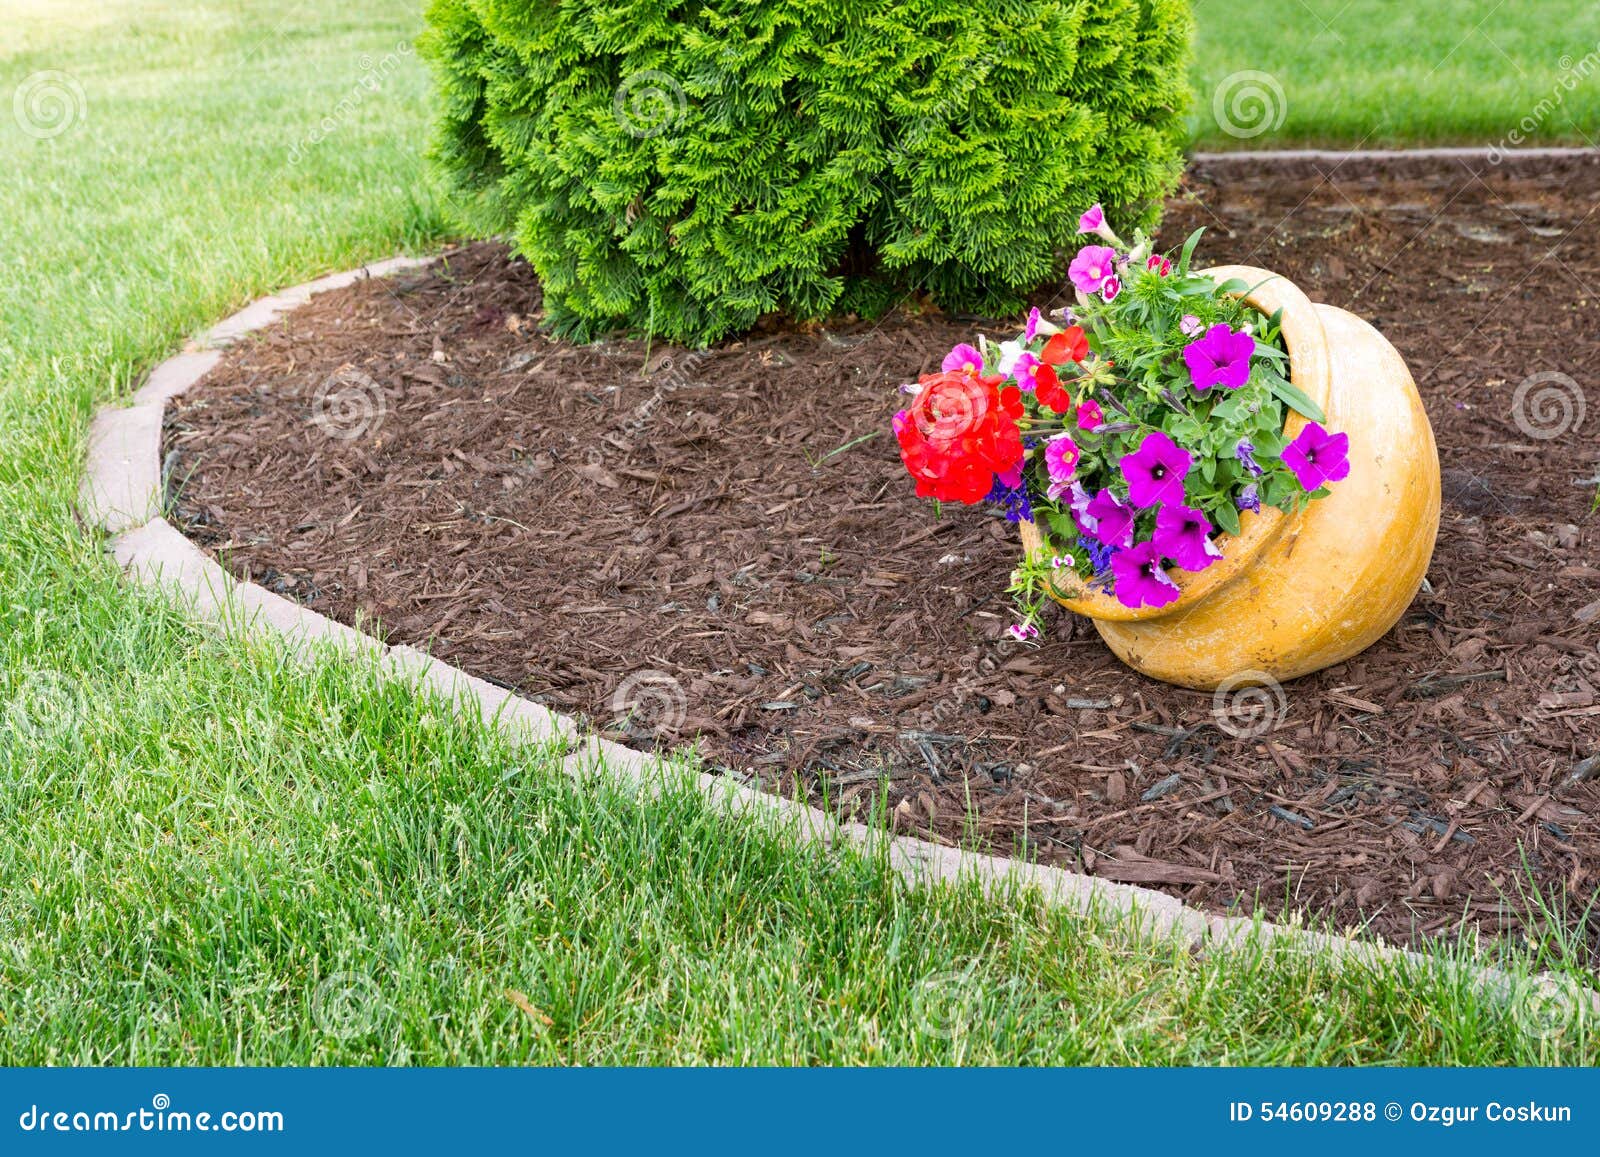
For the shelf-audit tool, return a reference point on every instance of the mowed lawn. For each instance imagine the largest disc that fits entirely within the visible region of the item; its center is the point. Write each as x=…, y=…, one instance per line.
x=211, y=856
x=1383, y=73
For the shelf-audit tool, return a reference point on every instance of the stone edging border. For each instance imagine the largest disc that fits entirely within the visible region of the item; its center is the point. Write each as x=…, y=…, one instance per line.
x=121, y=492
x=1490, y=155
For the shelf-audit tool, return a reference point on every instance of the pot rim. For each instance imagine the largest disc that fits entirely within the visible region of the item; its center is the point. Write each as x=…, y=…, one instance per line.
x=1311, y=371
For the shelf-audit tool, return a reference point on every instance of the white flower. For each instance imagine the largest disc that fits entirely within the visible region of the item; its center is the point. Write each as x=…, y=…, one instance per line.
x=1010, y=352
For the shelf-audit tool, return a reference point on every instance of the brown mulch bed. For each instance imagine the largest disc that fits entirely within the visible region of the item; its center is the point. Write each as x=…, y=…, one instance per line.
x=720, y=539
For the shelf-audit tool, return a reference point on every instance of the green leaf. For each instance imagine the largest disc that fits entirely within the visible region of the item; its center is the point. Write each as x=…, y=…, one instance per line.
x=1230, y=408
x=1228, y=517
x=1265, y=351
x=1188, y=251
x=1295, y=398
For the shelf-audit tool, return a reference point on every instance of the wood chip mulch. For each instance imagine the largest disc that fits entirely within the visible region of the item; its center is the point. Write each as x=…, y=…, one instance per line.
x=722, y=547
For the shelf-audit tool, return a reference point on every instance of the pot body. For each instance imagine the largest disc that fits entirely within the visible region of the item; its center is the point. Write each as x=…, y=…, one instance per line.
x=1308, y=590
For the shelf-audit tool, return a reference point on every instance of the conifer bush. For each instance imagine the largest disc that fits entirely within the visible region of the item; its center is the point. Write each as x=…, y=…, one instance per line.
x=683, y=168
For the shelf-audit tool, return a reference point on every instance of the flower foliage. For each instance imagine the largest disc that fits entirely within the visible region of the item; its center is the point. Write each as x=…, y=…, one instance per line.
x=684, y=168
x=1137, y=430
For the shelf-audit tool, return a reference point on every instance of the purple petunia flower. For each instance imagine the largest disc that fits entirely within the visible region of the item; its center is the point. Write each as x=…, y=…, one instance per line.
x=1061, y=458
x=1091, y=267
x=1110, y=289
x=1022, y=632
x=1249, y=499
x=1140, y=581
x=1245, y=452
x=1156, y=470
x=1183, y=534
x=1189, y=325
x=1090, y=416
x=1031, y=330
x=1221, y=358
x=1110, y=519
x=1093, y=219
x=1318, y=457
x=1078, y=504
x=963, y=357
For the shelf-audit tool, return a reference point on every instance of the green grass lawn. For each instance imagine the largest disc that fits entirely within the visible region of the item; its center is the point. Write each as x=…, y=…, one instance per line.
x=210, y=856
x=1380, y=73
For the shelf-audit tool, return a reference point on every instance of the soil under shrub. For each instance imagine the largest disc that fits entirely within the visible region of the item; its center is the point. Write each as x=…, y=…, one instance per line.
x=728, y=541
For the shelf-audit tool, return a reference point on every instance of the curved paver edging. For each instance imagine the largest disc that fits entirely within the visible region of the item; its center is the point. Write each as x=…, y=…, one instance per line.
x=121, y=493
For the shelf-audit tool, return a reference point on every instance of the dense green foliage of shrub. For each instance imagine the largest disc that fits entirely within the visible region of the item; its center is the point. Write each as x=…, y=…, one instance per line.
x=683, y=168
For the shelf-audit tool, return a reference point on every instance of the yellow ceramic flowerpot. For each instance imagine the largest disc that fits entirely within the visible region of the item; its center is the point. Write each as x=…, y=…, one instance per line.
x=1294, y=593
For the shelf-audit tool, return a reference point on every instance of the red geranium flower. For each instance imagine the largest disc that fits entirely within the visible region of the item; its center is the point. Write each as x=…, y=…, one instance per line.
x=1070, y=345
x=1047, y=388
x=959, y=433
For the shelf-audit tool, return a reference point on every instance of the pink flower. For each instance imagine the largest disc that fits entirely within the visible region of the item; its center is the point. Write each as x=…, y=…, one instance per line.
x=1091, y=267
x=1024, y=369
x=1061, y=458
x=1159, y=263
x=1031, y=331
x=1090, y=416
x=1189, y=325
x=1109, y=289
x=1022, y=632
x=1093, y=219
x=963, y=359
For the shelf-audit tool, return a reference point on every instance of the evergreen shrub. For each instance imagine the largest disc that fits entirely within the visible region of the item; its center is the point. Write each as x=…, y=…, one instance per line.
x=683, y=168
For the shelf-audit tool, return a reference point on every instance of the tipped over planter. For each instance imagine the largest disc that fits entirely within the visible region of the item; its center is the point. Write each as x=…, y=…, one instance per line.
x=1238, y=486
x=1296, y=592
